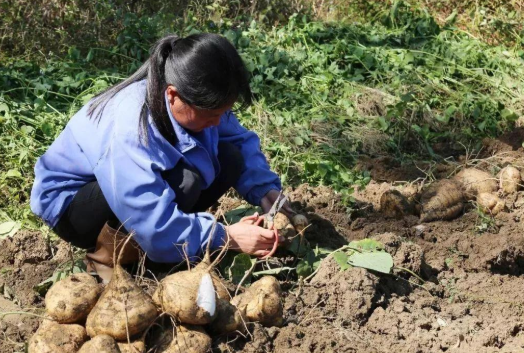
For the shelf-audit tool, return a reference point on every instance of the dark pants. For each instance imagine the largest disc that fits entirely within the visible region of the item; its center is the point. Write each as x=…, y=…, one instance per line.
x=89, y=211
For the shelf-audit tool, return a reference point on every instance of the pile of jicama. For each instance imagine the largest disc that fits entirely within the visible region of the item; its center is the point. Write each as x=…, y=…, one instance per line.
x=446, y=199
x=84, y=317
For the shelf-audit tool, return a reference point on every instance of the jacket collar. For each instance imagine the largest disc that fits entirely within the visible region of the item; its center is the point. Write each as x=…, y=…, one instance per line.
x=184, y=141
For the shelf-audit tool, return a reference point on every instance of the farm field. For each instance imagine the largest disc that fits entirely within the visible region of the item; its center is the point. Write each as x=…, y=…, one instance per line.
x=370, y=113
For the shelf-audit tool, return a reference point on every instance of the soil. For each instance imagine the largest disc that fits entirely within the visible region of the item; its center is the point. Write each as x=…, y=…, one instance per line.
x=470, y=299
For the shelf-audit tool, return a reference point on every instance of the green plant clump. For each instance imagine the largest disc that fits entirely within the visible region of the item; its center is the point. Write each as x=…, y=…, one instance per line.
x=400, y=83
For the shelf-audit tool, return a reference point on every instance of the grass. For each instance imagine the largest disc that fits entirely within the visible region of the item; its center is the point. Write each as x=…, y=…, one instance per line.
x=399, y=83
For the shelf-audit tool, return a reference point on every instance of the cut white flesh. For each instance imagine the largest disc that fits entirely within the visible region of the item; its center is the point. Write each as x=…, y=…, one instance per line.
x=206, y=298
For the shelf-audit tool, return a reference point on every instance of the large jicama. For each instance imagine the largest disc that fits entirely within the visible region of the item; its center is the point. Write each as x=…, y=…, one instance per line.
x=52, y=337
x=443, y=200
x=510, y=179
x=394, y=204
x=261, y=302
x=123, y=311
x=475, y=182
x=100, y=344
x=71, y=299
x=490, y=203
x=137, y=346
x=184, y=339
x=229, y=319
x=191, y=296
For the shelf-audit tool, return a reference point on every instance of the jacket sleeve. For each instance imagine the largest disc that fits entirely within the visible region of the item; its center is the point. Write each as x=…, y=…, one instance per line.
x=143, y=201
x=256, y=178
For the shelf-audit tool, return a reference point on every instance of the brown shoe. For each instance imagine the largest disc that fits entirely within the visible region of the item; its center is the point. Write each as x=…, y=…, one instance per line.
x=101, y=262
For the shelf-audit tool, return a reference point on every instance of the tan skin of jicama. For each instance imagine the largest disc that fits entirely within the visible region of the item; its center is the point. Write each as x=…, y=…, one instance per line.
x=247, y=236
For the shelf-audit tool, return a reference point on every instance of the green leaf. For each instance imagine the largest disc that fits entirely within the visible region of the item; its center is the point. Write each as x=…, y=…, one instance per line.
x=241, y=265
x=26, y=129
x=234, y=216
x=298, y=140
x=47, y=129
x=272, y=271
x=342, y=259
x=8, y=229
x=299, y=246
x=308, y=264
x=13, y=173
x=508, y=115
x=375, y=261
x=90, y=55
x=384, y=125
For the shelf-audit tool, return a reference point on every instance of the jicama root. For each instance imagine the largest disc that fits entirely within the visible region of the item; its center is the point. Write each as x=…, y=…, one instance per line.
x=261, y=302
x=394, y=204
x=185, y=339
x=123, y=310
x=229, y=319
x=300, y=222
x=72, y=299
x=490, y=203
x=284, y=227
x=137, y=346
x=510, y=180
x=191, y=296
x=443, y=200
x=475, y=182
x=100, y=344
x=52, y=337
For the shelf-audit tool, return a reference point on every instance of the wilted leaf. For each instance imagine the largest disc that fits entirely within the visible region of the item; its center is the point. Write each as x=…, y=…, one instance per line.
x=8, y=229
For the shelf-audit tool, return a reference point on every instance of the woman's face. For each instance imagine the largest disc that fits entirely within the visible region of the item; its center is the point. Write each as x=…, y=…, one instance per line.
x=191, y=118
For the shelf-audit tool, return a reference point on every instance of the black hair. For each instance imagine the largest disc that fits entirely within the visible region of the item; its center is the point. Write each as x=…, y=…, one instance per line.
x=205, y=68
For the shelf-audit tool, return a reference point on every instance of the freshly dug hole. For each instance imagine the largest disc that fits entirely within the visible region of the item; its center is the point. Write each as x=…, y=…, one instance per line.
x=71, y=299
x=261, y=302
x=229, y=319
x=443, y=200
x=510, y=179
x=185, y=339
x=52, y=337
x=123, y=310
x=475, y=182
x=100, y=344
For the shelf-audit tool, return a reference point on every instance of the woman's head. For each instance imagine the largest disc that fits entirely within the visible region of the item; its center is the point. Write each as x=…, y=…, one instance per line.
x=202, y=75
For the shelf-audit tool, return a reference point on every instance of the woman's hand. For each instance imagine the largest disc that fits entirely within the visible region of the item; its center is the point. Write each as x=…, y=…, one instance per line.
x=269, y=199
x=247, y=237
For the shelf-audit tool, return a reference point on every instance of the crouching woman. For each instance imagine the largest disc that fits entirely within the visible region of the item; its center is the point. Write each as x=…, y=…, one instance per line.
x=152, y=153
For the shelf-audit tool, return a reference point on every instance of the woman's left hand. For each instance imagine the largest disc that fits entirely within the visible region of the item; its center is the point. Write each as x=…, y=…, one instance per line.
x=269, y=199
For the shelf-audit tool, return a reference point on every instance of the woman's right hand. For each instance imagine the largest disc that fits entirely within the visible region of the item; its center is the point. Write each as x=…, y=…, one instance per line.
x=247, y=237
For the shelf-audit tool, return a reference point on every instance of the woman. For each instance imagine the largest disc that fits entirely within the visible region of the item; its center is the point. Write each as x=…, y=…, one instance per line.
x=152, y=153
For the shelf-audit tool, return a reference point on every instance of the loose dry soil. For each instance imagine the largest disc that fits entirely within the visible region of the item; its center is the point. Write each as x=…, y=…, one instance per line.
x=472, y=299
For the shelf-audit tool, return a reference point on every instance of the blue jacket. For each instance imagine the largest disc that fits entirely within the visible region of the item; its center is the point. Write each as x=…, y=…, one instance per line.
x=129, y=173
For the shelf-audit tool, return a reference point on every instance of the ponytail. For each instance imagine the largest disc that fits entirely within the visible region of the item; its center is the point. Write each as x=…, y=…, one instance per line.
x=205, y=68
